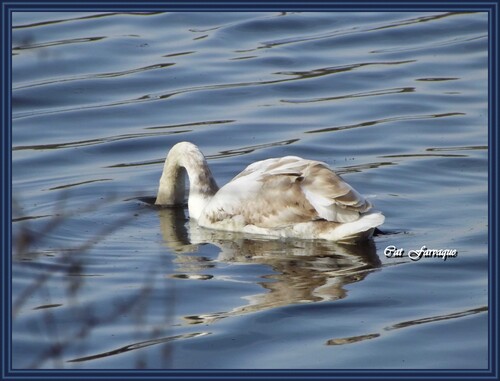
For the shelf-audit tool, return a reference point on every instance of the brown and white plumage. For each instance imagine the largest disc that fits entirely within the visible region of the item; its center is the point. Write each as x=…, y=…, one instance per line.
x=284, y=197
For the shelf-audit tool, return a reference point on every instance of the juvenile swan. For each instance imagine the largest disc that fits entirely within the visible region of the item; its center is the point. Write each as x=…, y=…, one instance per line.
x=281, y=197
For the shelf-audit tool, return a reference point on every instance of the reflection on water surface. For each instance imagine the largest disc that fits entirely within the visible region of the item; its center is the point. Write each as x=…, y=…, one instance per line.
x=303, y=271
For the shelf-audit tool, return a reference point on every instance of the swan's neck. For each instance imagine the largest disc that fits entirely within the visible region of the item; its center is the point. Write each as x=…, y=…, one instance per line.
x=186, y=158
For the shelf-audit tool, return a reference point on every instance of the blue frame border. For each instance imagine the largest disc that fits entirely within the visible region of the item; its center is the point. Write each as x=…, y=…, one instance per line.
x=7, y=7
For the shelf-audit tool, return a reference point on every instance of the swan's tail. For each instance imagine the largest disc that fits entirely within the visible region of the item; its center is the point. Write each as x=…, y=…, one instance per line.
x=360, y=229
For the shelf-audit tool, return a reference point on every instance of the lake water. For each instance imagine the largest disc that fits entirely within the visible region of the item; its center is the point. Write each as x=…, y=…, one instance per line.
x=396, y=102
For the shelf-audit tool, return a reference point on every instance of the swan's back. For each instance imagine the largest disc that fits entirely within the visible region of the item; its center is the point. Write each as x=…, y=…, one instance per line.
x=288, y=196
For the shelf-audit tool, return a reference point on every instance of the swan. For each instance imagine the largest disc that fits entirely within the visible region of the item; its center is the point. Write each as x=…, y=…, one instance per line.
x=279, y=197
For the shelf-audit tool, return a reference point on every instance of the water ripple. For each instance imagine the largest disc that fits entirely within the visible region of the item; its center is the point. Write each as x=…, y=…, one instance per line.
x=406, y=324
x=345, y=32
x=139, y=345
x=95, y=76
x=91, y=142
x=296, y=76
x=354, y=95
x=433, y=45
x=81, y=18
x=386, y=120
x=56, y=43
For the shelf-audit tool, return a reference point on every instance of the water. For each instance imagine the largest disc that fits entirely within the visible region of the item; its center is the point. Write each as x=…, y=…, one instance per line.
x=395, y=102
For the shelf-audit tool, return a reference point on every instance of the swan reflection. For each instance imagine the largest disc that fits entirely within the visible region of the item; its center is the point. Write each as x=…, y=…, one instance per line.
x=304, y=270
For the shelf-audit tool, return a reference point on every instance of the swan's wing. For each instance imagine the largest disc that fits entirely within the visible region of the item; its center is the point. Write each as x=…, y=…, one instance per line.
x=279, y=192
x=330, y=195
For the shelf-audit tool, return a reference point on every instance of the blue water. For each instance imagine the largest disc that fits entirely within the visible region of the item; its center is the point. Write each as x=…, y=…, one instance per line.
x=396, y=102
